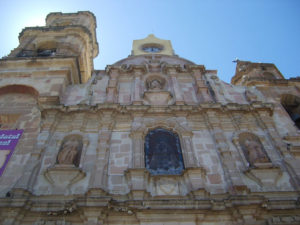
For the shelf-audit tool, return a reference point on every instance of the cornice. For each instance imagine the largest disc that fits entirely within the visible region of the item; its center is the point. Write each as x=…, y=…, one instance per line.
x=37, y=30
x=193, y=68
x=124, y=69
x=102, y=200
x=147, y=109
x=89, y=13
x=172, y=67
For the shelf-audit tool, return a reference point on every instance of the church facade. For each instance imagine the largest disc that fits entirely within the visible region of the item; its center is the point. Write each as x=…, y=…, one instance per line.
x=152, y=139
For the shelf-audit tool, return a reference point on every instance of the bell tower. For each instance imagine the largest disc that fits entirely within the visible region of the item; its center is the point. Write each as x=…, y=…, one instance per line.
x=152, y=45
x=68, y=40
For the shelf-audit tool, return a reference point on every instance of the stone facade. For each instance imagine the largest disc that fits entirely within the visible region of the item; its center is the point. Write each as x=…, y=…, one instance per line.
x=81, y=158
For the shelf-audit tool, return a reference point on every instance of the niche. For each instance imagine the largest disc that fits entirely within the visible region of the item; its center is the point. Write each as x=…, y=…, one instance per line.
x=156, y=93
x=253, y=149
x=70, y=151
x=291, y=104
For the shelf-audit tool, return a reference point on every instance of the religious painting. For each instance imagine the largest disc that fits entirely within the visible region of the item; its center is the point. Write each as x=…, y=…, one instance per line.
x=163, y=155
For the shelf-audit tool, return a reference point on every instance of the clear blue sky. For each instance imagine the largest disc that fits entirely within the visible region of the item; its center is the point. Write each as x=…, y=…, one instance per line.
x=207, y=32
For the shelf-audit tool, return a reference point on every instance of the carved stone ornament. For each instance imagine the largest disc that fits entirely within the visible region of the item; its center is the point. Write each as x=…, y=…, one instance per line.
x=156, y=94
x=66, y=172
x=190, y=181
x=157, y=98
x=266, y=175
x=63, y=176
x=155, y=83
x=167, y=186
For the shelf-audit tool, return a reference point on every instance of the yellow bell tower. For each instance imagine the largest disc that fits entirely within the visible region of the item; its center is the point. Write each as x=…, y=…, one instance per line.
x=152, y=45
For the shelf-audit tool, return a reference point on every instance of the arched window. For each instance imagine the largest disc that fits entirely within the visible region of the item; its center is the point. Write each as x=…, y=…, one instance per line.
x=163, y=152
x=291, y=104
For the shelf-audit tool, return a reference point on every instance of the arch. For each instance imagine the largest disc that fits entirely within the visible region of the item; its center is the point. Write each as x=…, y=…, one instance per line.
x=163, y=154
x=168, y=124
x=184, y=133
x=21, y=89
x=291, y=104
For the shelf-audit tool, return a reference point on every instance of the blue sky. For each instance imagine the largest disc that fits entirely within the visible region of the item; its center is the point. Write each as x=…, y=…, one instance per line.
x=207, y=32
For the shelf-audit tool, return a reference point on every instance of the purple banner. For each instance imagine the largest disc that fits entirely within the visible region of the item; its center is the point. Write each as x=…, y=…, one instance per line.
x=8, y=141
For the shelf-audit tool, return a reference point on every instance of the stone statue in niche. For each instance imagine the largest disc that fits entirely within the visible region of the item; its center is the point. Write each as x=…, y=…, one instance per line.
x=254, y=150
x=70, y=151
x=155, y=83
x=256, y=153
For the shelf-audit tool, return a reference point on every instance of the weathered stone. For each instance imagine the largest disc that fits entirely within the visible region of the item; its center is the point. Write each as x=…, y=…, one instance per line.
x=234, y=158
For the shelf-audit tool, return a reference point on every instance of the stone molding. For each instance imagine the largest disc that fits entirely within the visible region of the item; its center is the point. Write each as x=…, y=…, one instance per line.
x=142, y=184
x=62, y=177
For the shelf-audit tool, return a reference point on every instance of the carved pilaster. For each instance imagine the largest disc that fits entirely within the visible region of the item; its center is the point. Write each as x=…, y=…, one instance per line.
x=100, y=172
x=32, y=168
x=137, y=150
x=137, y=182
x=112, y=87
x=202, y=89
x=222, y=147
x=189, y=154
x=137, y=89
x=79, y=120
x=50, y=117
x=177, y=90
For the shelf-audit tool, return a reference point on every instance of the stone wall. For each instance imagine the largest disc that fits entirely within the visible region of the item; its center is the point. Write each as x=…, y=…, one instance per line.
x=82, y=158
